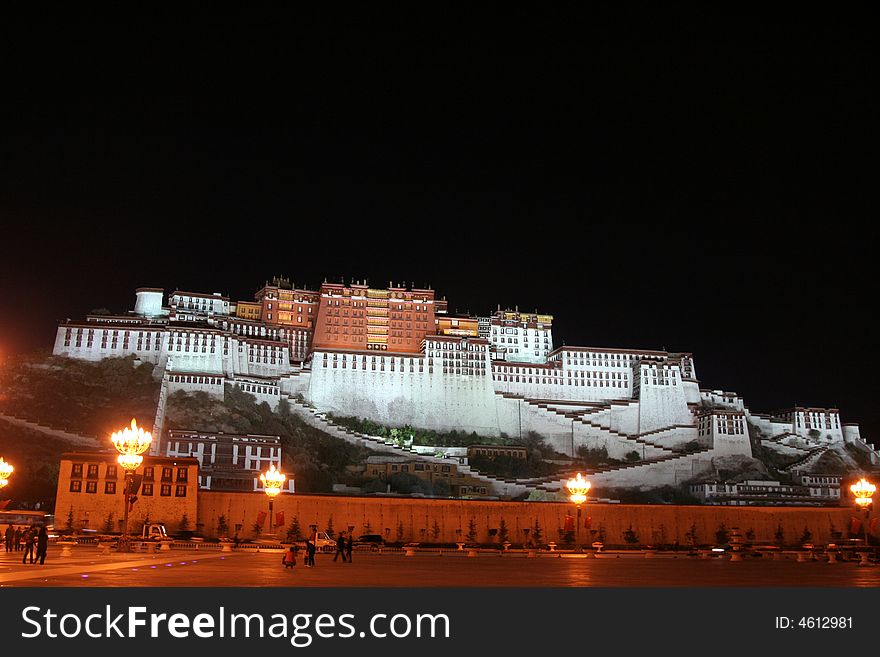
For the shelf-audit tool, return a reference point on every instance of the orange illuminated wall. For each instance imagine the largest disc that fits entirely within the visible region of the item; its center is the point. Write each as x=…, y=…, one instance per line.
x=465, y=326
x=358, y=317
x=248, y=310
x=288, y=307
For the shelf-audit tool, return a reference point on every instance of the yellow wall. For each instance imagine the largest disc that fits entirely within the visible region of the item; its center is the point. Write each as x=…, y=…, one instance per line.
x=658, y=524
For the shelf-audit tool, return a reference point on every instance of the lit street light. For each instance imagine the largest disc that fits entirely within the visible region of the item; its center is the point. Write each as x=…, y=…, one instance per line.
x=273, y=480
x=864, y=492
x=5, y=472
x=131, y=442
x=577, y=493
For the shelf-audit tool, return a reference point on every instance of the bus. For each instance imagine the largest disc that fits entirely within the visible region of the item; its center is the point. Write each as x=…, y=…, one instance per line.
x=22, y=518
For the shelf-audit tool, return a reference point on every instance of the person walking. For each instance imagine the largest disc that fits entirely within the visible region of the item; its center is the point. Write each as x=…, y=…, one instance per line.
x=310, y=554
x=42, y=544
x=348, y=545
x=17, y=538
x=340, y=547
x=29, y=539
x=10, y=537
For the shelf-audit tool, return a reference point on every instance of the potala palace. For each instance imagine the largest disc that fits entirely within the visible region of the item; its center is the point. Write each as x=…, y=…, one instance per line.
x=397, y=356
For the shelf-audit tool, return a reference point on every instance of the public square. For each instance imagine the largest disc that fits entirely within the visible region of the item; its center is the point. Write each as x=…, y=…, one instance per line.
x=185, y=567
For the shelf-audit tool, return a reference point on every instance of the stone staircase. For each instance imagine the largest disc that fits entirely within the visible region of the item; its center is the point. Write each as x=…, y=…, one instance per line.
x=79, y=440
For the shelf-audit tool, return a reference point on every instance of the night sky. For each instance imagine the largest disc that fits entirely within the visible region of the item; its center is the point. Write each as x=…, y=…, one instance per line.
x=701, y=187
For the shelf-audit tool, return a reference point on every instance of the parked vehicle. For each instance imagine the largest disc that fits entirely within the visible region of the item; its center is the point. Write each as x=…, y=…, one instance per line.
x=154, y=533
x=373, y=541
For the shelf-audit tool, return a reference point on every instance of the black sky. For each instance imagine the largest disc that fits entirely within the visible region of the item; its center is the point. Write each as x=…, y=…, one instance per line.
x=652, y=181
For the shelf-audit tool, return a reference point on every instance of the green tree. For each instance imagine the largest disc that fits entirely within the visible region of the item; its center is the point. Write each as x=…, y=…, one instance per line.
x=721, y=534
x=69, y=525
x=257, y=529
x=472, y=531
x=807, y=536
x=537, y=533
x=435, y=531
x=108, y=524
x=222, y=526
x=183, y=526
x=294, y=532
x=780, y=536
x=329, y=529
x=503, y=533
x=630, y=536
x=400, y=531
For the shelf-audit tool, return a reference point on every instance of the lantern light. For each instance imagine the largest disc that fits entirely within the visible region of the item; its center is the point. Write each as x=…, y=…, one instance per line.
x=273, y=480
x=577, y=489
x=6, y=470
x=864, y=491
x=131, y=442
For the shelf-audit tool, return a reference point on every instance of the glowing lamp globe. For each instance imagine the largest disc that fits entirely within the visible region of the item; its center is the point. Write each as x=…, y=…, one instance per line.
x=273, y=480
x=5, y=472
x=131, y=442
x=577, y=489
x=863, y=490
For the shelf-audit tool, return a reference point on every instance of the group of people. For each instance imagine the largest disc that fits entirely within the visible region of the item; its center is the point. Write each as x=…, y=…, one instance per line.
x=343, y=547
x=28, y=540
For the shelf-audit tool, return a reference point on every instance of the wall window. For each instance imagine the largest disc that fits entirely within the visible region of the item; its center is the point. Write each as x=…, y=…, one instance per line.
x=147, y=489
x=93, y=471
x=166, y=474
x=166, y=490
x=110, y=488
x=76, y=470
x=182, y=474
x=76, y=486
x=180, y=491
x=91, y=486
x=111, y=472
x=148, y=473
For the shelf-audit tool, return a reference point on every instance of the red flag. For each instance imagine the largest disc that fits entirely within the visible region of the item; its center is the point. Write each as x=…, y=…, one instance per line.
x=588, y=522
x=854, y=525
x=569, y=524
x=261, y=518
x=279, y=518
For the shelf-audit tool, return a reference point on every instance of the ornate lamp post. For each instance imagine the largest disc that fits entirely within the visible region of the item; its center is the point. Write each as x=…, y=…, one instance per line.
x=273, y=480
x=577, y=493
x=864, y=492
x=131, y=442
x=5, y=472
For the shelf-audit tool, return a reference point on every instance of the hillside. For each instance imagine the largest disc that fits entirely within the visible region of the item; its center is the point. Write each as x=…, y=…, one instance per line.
x=79, y=396
x=314, y=459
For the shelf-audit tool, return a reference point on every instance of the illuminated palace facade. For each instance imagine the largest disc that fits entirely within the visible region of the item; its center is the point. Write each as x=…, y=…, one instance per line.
x=397, y=356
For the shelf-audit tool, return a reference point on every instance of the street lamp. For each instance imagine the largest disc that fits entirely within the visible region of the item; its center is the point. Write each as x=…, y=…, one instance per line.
x=5, y=472
x=131, y=442
x=273, y=480
x=864, y=491
x=577, y=493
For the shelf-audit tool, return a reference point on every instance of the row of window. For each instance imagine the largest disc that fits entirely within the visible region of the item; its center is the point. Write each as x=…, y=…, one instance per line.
x=111, y=472
x=76, y=486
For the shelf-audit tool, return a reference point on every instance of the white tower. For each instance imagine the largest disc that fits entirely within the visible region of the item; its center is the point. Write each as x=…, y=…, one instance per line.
x=149, y=301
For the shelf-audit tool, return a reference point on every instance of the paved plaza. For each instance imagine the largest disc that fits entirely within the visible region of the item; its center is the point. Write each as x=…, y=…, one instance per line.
x=178, y=567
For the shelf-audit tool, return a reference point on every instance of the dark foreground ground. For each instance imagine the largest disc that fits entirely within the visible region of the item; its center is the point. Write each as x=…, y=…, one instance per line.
x=202, y=568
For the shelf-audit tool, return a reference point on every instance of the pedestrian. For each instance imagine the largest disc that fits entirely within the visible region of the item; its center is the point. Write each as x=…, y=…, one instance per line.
x=289, y=558
x=10, y=537
x=17, y=538
x=29, y=539
x=310, y=553
x=340, y=546
x=348, y=546
x=42, y=544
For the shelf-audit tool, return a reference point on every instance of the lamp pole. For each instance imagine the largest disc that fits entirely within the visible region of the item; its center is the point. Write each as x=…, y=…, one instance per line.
x=864, y=493
x=273, y=480
x=577, y=493
x=131, y=442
